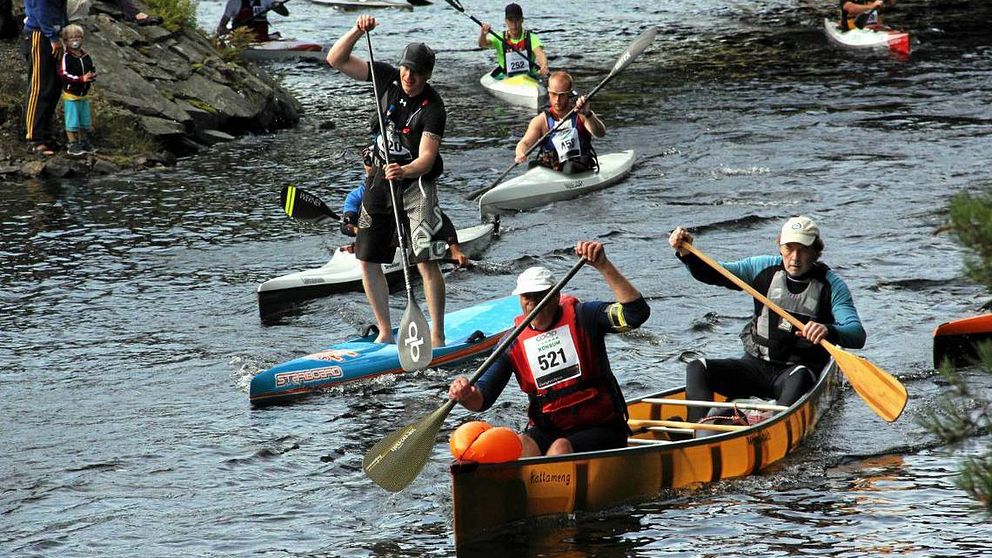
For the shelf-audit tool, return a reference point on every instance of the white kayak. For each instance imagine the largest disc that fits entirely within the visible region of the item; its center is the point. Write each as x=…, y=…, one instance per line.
x=521, y=90
x=361, y=4
x=541, y=185
x=894, y=41
x=284, y=49
x=342, y=273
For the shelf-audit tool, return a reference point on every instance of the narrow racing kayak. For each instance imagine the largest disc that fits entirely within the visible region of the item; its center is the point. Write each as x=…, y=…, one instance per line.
x=361, y=4
x=541, y=185
x=521, y=90
x=469, y=332
x=662, y=453
x=284, y=49
x=895, y=41
x=342, y=273
x=958, y=340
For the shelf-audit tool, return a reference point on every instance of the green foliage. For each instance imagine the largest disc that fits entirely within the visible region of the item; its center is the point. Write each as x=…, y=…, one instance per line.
x=121, y=133
x=230, y=46
x=961, y=413
x=176, y=14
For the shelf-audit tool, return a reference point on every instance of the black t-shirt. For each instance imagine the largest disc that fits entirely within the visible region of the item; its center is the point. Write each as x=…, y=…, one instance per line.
x=410, y=117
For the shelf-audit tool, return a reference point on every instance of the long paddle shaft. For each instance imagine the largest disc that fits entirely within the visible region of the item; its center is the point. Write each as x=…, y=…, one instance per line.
x=880, y=390
x=458, y=6
x=414, y=342
x=632, y=52
x=302, y=205
x=398, y=458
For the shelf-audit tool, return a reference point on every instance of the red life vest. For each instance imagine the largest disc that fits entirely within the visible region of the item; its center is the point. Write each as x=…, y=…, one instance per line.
x=246, y=18
x=575, y=392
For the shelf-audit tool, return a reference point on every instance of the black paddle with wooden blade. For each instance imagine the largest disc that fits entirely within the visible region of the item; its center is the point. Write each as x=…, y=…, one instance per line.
x=302, y=205
x=632, y=52
x=883, y=393
x=413, y=336
x=458, y=6
x=398, y=458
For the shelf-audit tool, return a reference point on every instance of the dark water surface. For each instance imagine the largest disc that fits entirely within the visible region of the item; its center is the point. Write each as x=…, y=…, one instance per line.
x=129, y=330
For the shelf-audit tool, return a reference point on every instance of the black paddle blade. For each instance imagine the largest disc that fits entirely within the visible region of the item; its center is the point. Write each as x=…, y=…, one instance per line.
x=456, y=5
x=302, y=205
x=414, y=338
x=419, y=2
x=398, y=458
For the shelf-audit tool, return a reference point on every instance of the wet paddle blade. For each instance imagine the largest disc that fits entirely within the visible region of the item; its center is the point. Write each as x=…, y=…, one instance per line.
x=635, y=49
x=419, y=2
x=398, y=458
x=302, y=205
x=414, y=338
x=882, y=392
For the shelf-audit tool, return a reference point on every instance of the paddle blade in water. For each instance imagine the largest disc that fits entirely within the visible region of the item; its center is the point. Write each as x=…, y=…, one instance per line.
x=882, y=392
x=302, y=205
x=414, y=338
x=398, y=458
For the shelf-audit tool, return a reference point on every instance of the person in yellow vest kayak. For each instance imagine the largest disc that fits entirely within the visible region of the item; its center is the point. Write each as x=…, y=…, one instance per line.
x=517, y=46
x=560, y=362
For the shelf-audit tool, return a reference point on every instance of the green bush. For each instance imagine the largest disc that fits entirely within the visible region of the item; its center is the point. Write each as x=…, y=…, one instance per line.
x=176, y=14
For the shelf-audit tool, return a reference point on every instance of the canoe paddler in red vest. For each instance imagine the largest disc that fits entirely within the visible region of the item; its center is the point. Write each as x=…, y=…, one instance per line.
x=517, y=48
x=569, y=149
x=560, y=362
x=251, y=14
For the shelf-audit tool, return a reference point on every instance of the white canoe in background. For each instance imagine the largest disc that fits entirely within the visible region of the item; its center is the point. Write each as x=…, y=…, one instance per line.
x=541, y=185
x=361, y=4
x=342, y=273
x=285, y=49
x=521, y=90
x=894, y=41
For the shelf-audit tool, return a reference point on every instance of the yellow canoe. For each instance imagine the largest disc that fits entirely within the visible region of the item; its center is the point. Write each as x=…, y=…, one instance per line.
x=660, y=455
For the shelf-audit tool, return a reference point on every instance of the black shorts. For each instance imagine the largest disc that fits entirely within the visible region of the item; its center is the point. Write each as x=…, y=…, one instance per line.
x=590, y=438
x=377, y=240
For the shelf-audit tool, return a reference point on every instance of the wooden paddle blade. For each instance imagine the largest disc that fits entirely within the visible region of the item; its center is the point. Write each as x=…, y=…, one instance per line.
x=881, y=391
x=398, y=458
x=414, y=338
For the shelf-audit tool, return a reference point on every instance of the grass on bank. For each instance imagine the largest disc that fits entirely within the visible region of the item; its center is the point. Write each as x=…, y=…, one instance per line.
x=175, y=14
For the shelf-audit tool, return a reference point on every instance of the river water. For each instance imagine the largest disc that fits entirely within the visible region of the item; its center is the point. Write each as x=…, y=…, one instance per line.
x=129, y=329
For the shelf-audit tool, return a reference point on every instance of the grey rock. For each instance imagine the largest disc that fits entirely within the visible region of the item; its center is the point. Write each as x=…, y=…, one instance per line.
x=210, y=137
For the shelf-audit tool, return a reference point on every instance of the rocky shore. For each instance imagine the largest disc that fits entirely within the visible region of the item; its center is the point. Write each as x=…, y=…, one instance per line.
x=159, y=95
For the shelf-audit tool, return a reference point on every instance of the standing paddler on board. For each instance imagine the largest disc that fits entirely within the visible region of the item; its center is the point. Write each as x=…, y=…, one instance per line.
x=415, y=119
x=560, y=362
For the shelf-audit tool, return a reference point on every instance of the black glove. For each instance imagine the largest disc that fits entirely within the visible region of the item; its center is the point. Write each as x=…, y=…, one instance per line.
x=349, y=223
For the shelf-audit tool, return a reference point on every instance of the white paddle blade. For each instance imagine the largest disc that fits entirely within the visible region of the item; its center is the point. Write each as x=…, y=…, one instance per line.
x=414, y=339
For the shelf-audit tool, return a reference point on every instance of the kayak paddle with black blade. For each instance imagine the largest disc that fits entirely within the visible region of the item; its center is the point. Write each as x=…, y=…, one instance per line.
x=413, y=337
x=883, y=393
x=632, y=52
x=458, y=6
x=398, y=458
x=302, y=205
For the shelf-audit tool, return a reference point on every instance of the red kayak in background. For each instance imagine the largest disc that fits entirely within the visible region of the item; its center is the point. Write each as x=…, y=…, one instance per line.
x=958, y=340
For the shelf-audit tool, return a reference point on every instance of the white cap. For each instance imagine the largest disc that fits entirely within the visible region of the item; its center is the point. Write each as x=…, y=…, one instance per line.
x=534, y=280
x=799, y=229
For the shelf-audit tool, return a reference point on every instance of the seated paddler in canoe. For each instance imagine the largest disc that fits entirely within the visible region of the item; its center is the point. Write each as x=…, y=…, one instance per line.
x=560, y=362
x=780, y=362
x=253, y=15
x=518, y=51
x=569, y=149
x=860, y=14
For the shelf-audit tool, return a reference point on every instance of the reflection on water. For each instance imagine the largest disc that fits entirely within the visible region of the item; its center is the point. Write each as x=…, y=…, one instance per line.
x=129, y=328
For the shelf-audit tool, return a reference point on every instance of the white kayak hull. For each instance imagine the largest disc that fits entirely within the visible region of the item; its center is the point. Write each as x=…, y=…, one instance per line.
x=343, y=274
x=882, y=39
x=541, y=185
x=285, y=49
x=521, y=90
x=362, y=4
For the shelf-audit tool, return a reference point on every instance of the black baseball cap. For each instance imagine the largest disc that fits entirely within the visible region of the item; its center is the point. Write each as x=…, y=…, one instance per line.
x=419, y=58
x=514, y=11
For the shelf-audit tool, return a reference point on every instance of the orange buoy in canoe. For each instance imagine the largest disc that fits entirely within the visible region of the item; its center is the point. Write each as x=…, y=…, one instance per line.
x=483, y=443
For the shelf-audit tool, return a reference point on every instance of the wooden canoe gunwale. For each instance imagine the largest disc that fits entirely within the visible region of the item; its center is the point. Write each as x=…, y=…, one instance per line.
x=488, y=497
